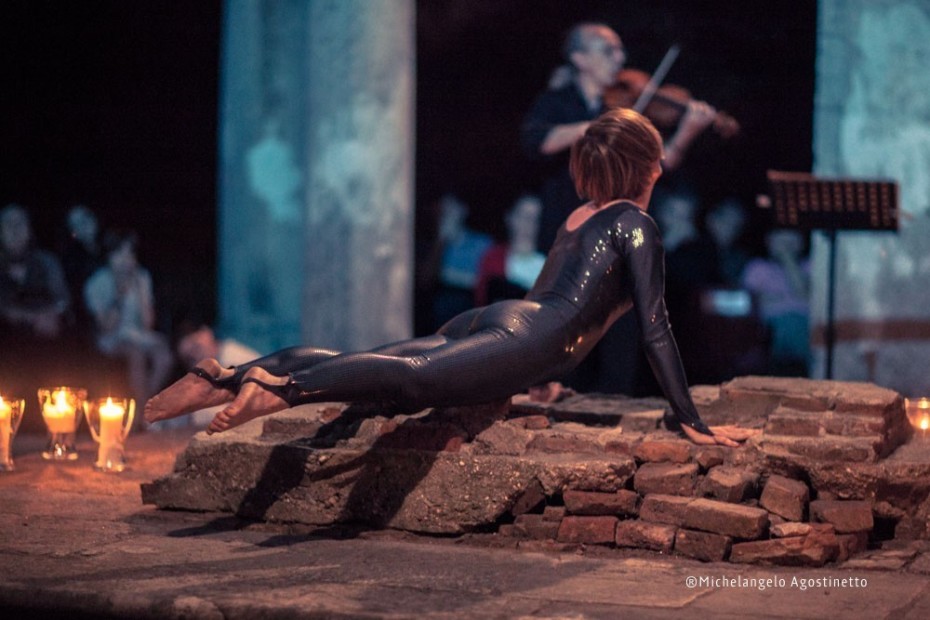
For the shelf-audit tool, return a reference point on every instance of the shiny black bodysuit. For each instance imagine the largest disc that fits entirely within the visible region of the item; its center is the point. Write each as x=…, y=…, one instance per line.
x=593, y=274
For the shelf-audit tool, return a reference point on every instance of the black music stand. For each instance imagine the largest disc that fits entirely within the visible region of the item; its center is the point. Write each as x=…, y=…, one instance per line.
x=806, y=202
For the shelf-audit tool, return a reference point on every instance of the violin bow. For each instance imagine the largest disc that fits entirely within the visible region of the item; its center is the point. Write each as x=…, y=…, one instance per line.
x=656, y=80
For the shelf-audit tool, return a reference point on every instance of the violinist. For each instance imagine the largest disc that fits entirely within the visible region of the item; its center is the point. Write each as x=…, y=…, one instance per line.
x=594, y=55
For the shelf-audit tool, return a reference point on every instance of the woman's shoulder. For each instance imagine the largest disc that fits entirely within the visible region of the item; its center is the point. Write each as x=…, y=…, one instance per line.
x=628, y=215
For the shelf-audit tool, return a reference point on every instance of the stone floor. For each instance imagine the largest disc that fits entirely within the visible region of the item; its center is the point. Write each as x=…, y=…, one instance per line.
x=80, y=544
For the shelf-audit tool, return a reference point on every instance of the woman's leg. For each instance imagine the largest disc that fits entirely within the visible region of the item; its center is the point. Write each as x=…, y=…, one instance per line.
x=211, y=384
x=483, y=367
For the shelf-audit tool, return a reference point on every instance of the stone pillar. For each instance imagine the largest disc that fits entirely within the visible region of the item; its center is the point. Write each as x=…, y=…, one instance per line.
x=872, y=120
x=316, y=172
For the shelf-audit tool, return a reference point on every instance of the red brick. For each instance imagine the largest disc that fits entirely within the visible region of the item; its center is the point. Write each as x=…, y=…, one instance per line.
x=729, y=484
x=531, y=497
x=623, y=502
x=588, y=530
x=826, y=448
x=794, y=551
x=851, y=544
x=660, y=508
x=845, y=516
x=850, y=425
x=785, y=497
x=535, y=527
x=789, y=529
x=652, y=451
x=665, y=478
x=709, y=456
x=646, y=535
x=785, y=421
x=553, y=513
x=702, y=545
x=532, y=422
x=727, y=519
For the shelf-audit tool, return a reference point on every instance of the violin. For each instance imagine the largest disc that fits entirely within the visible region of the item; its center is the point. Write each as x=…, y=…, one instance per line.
x=666, y=105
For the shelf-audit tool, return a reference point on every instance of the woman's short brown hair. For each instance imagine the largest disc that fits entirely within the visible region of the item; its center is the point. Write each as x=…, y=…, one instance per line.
x=616, y=156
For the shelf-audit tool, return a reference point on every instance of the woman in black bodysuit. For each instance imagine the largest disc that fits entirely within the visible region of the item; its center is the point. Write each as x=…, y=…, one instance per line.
x=607, y=258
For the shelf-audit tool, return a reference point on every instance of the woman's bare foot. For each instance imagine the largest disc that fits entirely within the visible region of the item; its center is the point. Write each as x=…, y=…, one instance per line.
x=190, y=393
x=253, y=401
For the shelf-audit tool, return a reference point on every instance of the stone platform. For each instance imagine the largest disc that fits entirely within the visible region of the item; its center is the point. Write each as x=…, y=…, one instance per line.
x=834, y=474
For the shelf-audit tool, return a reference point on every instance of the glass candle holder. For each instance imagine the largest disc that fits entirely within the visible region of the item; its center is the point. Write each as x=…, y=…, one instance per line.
x=11, y=413
x=61, y=409
x=110, y=420
x=918, y=413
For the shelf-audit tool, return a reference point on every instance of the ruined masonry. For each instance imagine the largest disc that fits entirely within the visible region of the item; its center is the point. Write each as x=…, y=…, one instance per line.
x=836, y=472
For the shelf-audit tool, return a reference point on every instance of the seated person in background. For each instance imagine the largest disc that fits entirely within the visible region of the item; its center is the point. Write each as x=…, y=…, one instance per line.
x=120, y=298
x=780, y=283
x=508, y=270
x=33, y=293
x=725, y=223
x=689, y=268
x=454, y=261
x=81, y=257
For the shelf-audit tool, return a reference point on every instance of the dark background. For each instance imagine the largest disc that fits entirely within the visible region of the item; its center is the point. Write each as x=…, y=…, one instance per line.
x=113, y=104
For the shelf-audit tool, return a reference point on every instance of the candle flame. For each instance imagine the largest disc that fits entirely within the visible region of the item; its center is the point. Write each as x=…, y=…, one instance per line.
x=61, y=401
x=111, y=410
x=924, y=423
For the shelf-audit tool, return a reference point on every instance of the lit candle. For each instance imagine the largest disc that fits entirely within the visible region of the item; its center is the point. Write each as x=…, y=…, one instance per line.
x=59, y=415
x=6, y=430
x=111, y=423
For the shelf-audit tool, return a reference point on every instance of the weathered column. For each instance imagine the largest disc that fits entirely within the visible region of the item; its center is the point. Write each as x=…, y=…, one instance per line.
x=872, y=119
x=359, y=195
x=316, y=172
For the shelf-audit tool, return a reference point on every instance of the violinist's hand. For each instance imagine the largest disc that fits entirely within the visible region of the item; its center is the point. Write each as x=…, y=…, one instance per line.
x=722, y=435
x=698, y=116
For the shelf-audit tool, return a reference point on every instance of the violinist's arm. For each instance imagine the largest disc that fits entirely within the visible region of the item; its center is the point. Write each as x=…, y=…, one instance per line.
x=561, y=137
x=698, y=117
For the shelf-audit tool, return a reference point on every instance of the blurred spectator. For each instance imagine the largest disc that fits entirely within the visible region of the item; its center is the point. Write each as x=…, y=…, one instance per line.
x=508, y=270
x=33, y=293
x=120, y=298
x=732, y=339
x=200, y=342
x=81, y=257
x=690, y=267
x=453, y=261
x=725, y=223
x=780, y=284
x=689, y=255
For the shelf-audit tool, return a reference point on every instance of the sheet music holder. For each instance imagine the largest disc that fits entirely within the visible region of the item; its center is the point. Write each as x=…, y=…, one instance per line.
x=806, y=202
